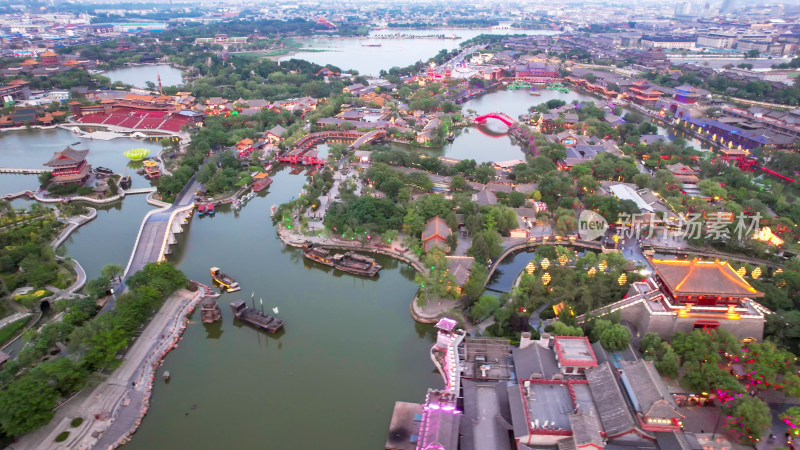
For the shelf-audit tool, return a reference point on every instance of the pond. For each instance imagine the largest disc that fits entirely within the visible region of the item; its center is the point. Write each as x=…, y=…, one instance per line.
x=138, y=76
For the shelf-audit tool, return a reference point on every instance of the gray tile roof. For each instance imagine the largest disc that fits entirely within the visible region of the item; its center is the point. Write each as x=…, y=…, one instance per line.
x=614, y=413
x=647, y=390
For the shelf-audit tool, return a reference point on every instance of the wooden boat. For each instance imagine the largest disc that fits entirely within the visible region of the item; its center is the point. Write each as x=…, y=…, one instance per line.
x=255, y=318
x=356, y=264
x=319, y=255
x=201, y=209
x=350, y=262
x=210, y=209
x=224, y=280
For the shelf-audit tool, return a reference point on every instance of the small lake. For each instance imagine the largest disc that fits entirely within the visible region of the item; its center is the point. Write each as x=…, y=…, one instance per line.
x=350, y=53
x=138, y=76
x=30, y=149
x=491, y=142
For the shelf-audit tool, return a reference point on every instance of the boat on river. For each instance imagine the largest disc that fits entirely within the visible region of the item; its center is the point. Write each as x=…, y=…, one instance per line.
x=350, y=262
x=224, y=280
x=261, y=182
x=371, y=44
x=255, y=318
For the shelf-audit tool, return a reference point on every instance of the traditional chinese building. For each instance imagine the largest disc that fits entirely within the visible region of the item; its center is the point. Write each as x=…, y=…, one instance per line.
x=685, y=295
x=69, y=166
x=644, y=93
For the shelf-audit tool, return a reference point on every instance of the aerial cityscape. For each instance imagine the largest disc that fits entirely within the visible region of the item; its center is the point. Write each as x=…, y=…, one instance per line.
x=418, y=226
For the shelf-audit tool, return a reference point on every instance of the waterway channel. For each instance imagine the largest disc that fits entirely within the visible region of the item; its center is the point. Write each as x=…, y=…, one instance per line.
x=350, y=349
x=138, y=76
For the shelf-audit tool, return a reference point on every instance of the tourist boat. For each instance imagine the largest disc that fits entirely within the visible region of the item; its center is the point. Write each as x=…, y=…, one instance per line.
x=255, y=318
x=371, y=44
x=125, y=182
x=151, y=169
x=356, y=264
x=237, y=205
x=166, y=375
x=451, y=137
x=272, y=210
x=104, y=170
x=319, y=255
x=201, y=209
x=210, y=209
x=224, y=280
x=76, y=143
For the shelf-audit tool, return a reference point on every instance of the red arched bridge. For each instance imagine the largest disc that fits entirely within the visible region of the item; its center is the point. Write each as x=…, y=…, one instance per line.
x=502, y=117
x=751, y=165
x=309, y=141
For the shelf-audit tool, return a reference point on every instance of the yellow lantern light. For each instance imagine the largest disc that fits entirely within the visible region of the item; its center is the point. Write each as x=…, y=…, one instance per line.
x=530, y=267
x=622, y=279
x=546, y=279
x=545, y=263
x=563, y=260
x=742, y=271
x=779, y=271
x=603, y=265
x=781, y=283
x=756, y=273
x=591, y=272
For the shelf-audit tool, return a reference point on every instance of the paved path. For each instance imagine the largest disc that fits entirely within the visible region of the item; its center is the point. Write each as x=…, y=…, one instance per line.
x=124, y=395
x=13, y=318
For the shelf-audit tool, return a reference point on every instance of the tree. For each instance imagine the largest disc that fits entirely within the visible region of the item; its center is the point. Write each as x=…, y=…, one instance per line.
x=615, y=338
x=751, y=419
x=44, y=178
x=561, y=329
x=642, y=180
x=792, y=418
x=474, y=286
x=111, y=271
x=669, y=364
x=516, y=199
x=484, y=307
x=485, y=245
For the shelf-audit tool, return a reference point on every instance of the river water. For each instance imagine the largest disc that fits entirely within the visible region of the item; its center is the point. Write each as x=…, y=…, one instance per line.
x=350, y=53
x=350, y=349
x=138, y=76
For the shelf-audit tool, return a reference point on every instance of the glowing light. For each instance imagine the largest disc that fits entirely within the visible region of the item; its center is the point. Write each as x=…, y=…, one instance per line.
x=742, y=271
x=563, y=259
x=530, y=268
x=545, y=263
x=766, y=235
x=756, y=273
x=622, y=279
x=546, y=279
x=591, y=272
x=603, y=265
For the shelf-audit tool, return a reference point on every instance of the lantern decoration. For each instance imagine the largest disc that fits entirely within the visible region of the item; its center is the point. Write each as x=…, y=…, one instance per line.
x=779, y=271
x=742, y=271
x=756, y=273
x=781, y=283
x=591, y=272
x=546, y=279
x=603, y=265
x=622, y=279
x=530, y=267
x=545, y=263
x=563, y=259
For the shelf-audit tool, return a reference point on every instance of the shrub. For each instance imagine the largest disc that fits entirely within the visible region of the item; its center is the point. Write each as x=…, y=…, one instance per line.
x=76, y=422
x=62, y=437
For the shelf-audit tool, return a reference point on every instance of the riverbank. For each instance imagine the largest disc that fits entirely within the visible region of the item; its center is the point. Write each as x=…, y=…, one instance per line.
x=431, y=312
x=112, y=411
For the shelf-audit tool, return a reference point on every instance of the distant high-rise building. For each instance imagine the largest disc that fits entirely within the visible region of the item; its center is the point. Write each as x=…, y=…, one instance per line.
x=727, y=6
x=682, y=9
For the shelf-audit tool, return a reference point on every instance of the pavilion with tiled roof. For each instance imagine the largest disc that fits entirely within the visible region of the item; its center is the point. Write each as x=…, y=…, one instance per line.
x=69, y=166
x=703, y=282
x=683, y=295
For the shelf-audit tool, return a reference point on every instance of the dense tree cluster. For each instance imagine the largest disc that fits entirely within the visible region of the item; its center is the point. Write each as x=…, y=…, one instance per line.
x=30, y=388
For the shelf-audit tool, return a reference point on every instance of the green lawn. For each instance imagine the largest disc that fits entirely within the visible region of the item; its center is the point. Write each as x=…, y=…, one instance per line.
x=11, y=330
